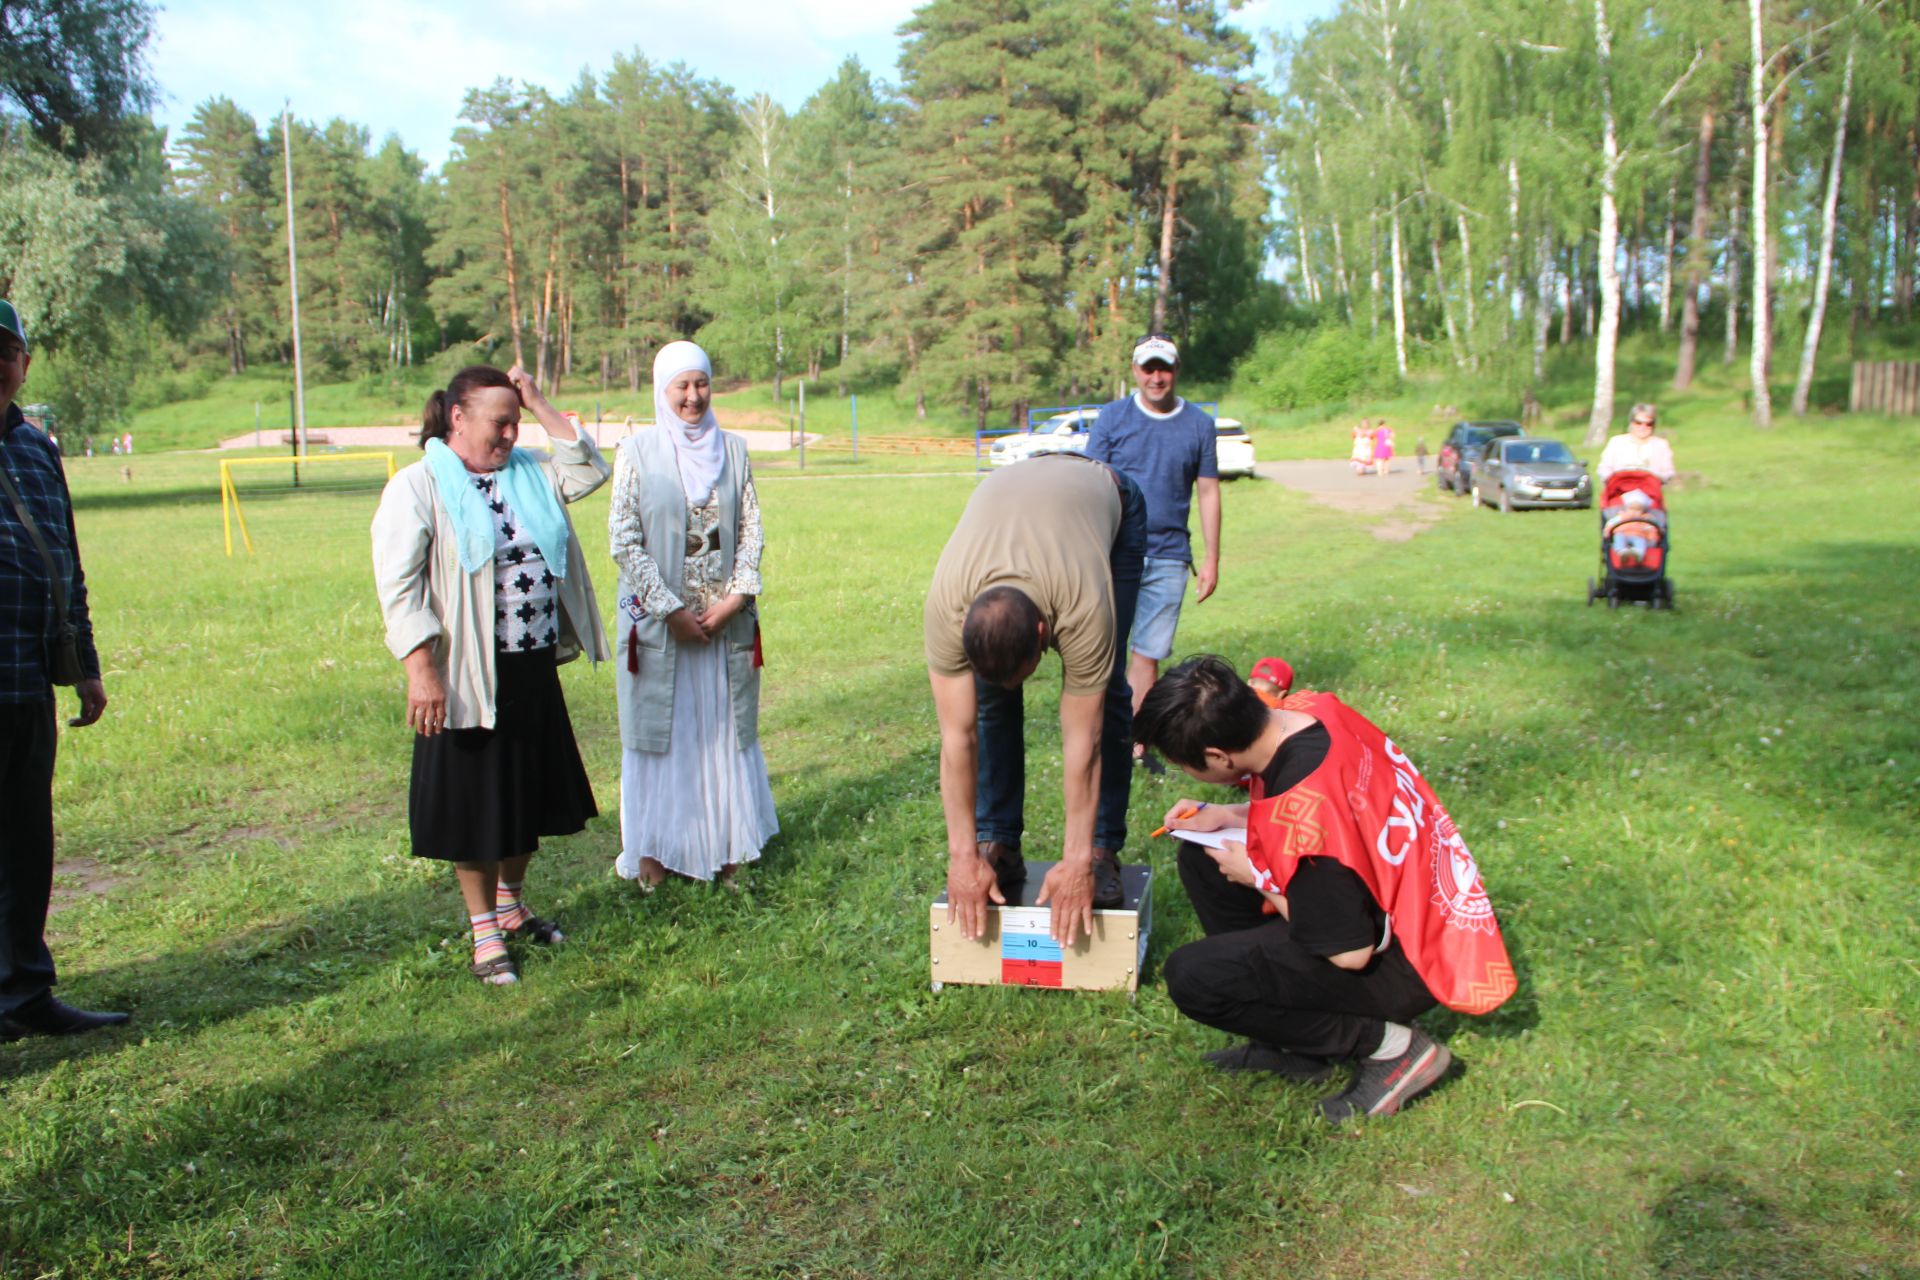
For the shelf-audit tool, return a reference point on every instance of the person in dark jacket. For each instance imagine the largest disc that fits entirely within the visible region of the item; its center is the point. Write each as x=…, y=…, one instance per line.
x=28, y=611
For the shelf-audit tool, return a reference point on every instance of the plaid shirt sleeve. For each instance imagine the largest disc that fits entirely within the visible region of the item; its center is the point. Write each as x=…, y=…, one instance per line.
x=26, y=603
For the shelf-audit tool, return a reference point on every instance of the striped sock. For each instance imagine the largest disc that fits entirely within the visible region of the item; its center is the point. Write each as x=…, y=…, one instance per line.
x=507, y=905
x=488, y=942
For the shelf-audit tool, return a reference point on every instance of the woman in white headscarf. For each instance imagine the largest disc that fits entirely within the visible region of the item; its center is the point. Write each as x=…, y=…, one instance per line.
x=685, y=525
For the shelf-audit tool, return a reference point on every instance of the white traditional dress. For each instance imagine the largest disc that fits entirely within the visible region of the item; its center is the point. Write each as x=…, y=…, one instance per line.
x=694, y=792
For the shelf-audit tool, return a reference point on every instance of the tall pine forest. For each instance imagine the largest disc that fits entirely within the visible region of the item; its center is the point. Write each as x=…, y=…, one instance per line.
x=1406, y=189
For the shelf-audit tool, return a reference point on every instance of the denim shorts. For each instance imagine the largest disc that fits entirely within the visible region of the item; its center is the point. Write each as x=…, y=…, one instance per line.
x=1163, y=583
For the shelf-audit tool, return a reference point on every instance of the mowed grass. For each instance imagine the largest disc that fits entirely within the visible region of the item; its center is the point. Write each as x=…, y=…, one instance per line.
x=1696, y=826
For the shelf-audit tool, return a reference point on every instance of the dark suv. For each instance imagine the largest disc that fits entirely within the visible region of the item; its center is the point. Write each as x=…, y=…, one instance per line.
x=1463, y=447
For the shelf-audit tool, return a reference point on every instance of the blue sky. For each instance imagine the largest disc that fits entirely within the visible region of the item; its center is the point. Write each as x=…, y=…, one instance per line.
x=402, y=66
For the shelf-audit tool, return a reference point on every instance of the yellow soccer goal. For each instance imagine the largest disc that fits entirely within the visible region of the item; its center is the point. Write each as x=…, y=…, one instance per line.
x=284, y=477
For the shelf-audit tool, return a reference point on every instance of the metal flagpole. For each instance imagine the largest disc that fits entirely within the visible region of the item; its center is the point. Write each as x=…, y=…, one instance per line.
x=293, y=286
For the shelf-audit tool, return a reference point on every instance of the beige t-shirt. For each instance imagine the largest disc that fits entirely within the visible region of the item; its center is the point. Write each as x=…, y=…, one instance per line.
x=1045, y=526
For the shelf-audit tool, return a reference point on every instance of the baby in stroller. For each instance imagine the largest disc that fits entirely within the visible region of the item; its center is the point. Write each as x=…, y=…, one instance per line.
x=1633, y=541
x=1632, y=529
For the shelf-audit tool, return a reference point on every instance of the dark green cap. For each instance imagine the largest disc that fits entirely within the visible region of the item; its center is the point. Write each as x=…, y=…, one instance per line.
x=11, y=323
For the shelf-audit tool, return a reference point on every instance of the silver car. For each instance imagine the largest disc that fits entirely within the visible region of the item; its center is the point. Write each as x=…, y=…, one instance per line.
x=1527, y=471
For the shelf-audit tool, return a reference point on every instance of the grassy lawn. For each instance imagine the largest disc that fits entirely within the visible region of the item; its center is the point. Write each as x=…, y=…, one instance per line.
x=1697, y=828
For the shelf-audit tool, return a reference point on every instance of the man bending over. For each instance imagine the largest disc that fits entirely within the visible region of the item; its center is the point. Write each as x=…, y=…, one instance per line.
x=1046, y=556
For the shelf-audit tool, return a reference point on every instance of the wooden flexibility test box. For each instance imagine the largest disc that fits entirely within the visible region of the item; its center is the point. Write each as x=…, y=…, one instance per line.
x=1018, y=949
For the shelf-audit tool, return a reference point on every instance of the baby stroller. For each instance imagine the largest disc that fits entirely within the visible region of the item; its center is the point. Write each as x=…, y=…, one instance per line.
x=1634, y=544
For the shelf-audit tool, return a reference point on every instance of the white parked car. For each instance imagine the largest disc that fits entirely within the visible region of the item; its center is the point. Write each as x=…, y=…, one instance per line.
x=1233, y=448
x=1067, y=433
x=1062, y=433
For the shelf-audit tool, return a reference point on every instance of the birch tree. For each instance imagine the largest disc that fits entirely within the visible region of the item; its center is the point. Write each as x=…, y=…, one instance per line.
x=1828, y=207
x=1760, y=354
x=1600, y=420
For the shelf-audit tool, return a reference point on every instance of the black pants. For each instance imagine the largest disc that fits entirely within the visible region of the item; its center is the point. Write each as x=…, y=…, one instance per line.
x=1249, y=977
x=26, y=851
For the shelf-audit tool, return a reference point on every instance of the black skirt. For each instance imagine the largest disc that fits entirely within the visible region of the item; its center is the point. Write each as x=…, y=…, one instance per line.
x=480, y=795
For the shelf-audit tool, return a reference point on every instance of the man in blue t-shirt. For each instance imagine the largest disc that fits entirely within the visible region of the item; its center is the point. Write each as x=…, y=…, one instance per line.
x=1166, y=446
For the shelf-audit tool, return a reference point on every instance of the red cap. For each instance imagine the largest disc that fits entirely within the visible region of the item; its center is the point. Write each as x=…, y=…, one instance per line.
x=1275, y=669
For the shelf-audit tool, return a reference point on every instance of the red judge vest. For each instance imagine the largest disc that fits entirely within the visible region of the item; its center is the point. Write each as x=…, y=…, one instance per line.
x=1369, y=807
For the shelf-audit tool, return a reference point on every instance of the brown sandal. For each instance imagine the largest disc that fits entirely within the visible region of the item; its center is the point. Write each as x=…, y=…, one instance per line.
x=497, y=972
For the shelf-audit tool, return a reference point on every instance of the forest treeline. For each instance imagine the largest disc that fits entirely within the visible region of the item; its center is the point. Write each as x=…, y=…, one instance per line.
x=1457, y=184
x=995, y=228
x=1479, y=178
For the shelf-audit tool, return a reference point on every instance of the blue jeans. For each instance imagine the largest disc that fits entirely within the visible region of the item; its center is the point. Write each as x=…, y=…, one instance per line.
x=1163, y=584
x=999, y=804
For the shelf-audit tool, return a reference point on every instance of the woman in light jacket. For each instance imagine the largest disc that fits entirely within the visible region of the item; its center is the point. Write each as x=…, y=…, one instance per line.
x=1637, y=448
x=485, y=592
x=685, y=527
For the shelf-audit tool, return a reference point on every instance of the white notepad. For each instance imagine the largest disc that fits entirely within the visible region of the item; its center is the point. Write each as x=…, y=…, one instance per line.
x=1213, y=839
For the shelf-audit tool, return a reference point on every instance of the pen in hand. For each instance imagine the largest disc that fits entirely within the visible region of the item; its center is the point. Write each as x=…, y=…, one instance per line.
x=1184, y=813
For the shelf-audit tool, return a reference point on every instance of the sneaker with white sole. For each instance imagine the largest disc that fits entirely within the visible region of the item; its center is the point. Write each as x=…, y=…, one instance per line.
x=1382, y=1086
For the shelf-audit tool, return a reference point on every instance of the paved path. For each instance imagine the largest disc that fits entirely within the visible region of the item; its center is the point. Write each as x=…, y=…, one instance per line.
x=532, y=434
x=1396, y=495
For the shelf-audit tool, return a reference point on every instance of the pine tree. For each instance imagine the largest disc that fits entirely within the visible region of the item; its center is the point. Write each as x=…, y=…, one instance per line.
x=989, y=80
x=840, y=140
x=1115, y=150
x=481, y=243
x=1199, y=117
x=223, y=165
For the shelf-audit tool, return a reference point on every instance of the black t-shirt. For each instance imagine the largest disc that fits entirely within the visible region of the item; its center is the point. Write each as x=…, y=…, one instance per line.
x=1297, y=757
x=1331, y=909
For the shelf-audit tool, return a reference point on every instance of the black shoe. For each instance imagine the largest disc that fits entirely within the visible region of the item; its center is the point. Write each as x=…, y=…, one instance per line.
x=50, y=1017
x=1260, y=1057
x=1381, y=1088
x=1107, y=891
x=1009, y=867
x=1151, y=763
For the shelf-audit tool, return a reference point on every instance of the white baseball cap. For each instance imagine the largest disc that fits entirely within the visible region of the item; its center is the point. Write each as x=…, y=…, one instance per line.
x=1157, y=347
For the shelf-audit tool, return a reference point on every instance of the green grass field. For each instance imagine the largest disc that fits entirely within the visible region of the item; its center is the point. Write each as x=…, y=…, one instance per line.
x=1697, y=828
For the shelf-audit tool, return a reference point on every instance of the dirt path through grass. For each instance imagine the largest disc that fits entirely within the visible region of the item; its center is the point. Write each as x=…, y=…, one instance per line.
x=1332, y=483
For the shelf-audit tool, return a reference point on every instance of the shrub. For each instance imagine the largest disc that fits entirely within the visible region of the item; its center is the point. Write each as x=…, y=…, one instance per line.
x=1297, y=368
x=156, y=388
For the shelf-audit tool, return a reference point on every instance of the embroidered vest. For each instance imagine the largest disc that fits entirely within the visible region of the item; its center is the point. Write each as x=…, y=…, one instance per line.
x=643, y=676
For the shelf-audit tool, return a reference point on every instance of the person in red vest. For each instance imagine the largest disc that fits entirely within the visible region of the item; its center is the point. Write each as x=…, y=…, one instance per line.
x=1352, y=908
